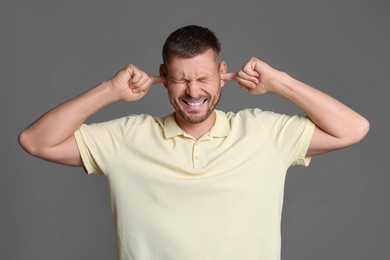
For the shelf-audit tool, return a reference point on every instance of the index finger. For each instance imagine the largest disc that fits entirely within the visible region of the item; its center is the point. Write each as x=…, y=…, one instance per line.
x=158, y=79
x=229, y=76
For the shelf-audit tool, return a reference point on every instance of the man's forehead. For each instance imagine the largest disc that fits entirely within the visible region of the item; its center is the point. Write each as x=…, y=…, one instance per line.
x=206, y=60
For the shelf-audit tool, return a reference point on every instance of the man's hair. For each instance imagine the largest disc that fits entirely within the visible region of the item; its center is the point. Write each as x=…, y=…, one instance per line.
x=190, y=41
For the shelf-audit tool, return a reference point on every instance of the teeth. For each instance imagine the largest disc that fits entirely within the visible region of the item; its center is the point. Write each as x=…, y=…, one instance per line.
x=195, y=104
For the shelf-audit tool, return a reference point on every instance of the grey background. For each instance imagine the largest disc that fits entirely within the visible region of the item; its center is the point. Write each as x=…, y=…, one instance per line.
x=53, y=50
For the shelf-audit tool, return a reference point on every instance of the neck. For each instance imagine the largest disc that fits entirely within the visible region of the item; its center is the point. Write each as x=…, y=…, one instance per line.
x=199, y=129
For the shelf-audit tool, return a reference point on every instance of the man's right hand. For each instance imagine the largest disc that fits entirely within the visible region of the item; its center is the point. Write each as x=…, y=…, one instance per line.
x=132, y=84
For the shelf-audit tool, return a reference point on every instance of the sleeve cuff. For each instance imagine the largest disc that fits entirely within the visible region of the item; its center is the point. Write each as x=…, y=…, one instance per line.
x=307, y=135
x=84, y=153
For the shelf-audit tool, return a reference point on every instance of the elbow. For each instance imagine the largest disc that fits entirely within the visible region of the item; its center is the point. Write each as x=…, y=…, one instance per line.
x=354, y=134
x=25, y=141
x=360, y=131
x=364, y=128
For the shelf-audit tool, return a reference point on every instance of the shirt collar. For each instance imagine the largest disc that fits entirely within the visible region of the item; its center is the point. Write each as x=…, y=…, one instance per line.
x=221, y=127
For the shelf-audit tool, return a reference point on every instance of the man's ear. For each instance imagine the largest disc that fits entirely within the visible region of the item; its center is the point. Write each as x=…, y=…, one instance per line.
x=163, y=73
x=222, y=70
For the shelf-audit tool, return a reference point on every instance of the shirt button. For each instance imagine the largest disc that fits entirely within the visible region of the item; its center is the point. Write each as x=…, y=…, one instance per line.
x=197, y=158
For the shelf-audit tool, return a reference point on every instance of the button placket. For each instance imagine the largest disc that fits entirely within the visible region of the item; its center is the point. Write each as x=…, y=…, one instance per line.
x=196, y=155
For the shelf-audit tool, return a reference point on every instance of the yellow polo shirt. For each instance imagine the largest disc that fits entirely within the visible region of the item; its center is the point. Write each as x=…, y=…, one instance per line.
x=219, y=197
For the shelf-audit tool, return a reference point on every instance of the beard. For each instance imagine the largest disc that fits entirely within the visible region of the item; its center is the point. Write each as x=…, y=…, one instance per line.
x=196, y=116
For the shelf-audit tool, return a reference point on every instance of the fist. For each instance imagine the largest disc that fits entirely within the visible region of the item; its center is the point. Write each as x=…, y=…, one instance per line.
x=130, y=83
x=255, y=76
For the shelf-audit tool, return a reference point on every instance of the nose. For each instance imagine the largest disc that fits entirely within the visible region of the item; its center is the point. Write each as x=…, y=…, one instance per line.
x=193, y=89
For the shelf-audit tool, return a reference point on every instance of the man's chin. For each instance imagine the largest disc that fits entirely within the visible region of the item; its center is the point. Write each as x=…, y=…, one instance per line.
x=195, y=117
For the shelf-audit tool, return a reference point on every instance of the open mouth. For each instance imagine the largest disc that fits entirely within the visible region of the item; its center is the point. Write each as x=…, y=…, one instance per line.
x=196, y=103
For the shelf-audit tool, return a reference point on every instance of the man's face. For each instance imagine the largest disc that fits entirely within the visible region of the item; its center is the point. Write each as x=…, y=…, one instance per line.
x=194, y=86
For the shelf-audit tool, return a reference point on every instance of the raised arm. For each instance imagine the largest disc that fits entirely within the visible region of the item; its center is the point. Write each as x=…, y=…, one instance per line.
x=337, y=126
x=51, y=136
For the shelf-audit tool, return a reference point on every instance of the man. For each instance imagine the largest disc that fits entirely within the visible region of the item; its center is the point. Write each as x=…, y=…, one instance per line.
x=200, y=183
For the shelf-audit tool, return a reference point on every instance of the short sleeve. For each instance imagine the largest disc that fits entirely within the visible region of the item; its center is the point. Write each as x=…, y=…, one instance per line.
x=290, y=135
x=99, y=143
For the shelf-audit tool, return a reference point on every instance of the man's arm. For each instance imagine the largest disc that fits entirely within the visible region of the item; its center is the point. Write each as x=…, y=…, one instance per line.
x=337, y=126
x=51, y=136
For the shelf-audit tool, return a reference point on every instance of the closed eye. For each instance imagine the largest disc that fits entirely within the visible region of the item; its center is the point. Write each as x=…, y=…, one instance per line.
x=204, y=79
x=177, y=81
x=183, y=81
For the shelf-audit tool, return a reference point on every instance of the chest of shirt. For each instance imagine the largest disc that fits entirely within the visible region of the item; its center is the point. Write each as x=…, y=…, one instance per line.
x=182, y=156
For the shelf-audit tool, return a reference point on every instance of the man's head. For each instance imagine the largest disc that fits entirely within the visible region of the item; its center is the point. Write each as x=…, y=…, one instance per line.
x=193, y=73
